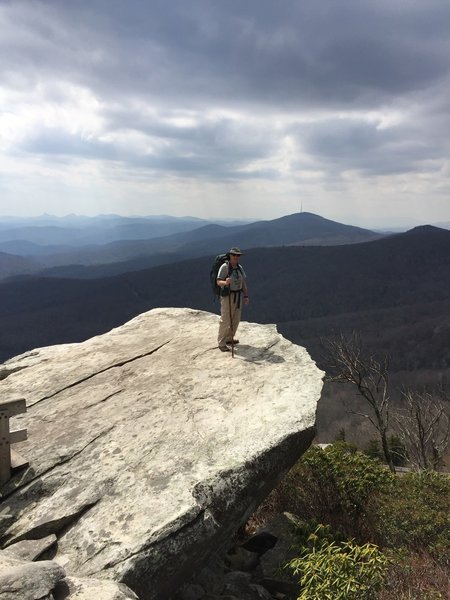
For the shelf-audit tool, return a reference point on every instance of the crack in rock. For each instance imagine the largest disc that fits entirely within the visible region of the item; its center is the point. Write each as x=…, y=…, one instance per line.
x=116, y=393
x=173, y=529
x=54, y=526
x=92, y=375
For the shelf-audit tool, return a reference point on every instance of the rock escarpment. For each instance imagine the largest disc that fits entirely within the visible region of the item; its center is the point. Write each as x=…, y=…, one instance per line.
x=148, y=447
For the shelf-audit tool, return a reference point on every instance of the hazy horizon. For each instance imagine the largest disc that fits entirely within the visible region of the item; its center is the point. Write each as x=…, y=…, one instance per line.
x=4, y=218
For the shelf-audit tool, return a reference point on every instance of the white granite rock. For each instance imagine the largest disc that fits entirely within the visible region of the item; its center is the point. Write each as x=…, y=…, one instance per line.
x=30, y=550
x=22, y=580
x=148, y=447
x=29, y=581
x=73, y=588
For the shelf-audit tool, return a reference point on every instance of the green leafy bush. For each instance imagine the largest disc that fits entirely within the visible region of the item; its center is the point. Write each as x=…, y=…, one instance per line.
x=335, y=486
x=416, y=514
x=408, y=516
x=398, y=451
x=373, y=449
x=396, y=447
x=330, y=570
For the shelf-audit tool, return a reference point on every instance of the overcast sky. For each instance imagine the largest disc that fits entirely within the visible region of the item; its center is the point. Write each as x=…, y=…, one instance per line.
x=216, y=108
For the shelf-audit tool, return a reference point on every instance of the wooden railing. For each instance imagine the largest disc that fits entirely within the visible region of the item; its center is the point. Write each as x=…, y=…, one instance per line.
x=9, y=459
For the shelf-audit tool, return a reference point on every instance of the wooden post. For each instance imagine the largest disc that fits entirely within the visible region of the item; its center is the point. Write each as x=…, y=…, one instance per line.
x=5, y=454
x=7, y=437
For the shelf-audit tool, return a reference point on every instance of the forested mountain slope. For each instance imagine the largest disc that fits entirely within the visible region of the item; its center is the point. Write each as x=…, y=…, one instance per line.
x=408, y=274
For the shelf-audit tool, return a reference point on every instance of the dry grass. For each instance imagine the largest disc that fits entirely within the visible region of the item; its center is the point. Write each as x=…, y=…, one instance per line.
x=416, y=577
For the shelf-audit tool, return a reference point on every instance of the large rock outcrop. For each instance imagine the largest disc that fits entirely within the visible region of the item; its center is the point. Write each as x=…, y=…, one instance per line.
x=148, y=447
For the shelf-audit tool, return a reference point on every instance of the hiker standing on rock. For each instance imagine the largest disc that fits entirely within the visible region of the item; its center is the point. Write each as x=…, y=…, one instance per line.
x=231, y=280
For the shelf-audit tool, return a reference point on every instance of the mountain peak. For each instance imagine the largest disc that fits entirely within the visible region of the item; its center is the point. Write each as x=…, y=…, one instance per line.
x=425, y=229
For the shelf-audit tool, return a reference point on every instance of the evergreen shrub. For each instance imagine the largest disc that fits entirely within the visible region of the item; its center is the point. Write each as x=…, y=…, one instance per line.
x=330, y=570
x=416, y=514
x=335, y=486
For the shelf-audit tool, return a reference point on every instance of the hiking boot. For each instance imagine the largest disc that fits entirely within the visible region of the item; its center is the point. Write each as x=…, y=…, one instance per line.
x=224, y=349
x=232, y=341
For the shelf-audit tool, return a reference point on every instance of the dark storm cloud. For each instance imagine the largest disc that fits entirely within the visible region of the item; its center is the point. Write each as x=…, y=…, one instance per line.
x=254, y=52
x=260, y=58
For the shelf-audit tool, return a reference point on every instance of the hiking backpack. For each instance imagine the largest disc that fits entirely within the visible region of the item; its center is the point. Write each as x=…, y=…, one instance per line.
x=218, y=262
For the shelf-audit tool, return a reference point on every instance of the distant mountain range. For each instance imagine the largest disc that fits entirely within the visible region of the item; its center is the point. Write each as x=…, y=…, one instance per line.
x=77, y=231
x=131, y=254
x=397, y=288
x=16, y=265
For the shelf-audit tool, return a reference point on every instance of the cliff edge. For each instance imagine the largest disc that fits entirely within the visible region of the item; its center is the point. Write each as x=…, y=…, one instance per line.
x=148, y=447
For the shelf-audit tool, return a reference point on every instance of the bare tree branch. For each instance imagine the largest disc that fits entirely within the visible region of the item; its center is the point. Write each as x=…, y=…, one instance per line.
x=424, y=427
x=347, y=363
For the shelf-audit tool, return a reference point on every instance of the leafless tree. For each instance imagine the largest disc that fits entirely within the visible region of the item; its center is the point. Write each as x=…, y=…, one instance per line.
x=424, y=427
x=346, y=362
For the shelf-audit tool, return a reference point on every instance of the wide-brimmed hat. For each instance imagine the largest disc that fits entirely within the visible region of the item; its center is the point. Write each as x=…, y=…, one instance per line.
x=235, y=251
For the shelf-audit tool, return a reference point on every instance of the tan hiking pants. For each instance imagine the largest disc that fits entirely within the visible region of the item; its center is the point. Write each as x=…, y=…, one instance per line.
x=229, y=322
